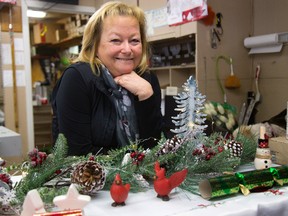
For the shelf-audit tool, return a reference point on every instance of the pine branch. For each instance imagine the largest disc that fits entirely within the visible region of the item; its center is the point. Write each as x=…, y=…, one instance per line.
x=36, y=177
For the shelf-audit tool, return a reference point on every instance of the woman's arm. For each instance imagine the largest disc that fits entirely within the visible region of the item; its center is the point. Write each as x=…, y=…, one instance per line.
x=150, y=119
x=73, y=112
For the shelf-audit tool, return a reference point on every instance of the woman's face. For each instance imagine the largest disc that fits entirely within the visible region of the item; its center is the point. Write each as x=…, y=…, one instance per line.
x=120, y=48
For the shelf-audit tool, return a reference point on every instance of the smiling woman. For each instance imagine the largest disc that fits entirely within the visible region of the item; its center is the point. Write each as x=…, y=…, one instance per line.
x=120, y=47
x=107, y=99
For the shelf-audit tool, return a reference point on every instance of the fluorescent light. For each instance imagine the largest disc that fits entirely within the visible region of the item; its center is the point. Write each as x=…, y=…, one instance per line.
x=36, y=14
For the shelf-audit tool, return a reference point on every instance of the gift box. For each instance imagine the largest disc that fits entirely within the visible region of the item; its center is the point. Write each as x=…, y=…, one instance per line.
x=10, y=145
x=279, y=150
x=45, y=32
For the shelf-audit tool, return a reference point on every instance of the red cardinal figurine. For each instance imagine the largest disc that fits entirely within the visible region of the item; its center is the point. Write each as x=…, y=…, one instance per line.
x=118, y=191
x=162, y=185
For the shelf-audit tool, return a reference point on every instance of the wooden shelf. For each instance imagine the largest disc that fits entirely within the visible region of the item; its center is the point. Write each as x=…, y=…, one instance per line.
x=42, y=126
x=63, y=44
x=68, y=42
x=184, y=66
x=42, y=122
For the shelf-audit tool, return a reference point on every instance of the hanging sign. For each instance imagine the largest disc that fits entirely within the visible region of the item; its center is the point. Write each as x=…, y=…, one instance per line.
x=184, y=11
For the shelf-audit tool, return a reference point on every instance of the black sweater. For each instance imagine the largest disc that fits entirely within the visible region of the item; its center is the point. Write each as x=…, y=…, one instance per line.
x=87, y=118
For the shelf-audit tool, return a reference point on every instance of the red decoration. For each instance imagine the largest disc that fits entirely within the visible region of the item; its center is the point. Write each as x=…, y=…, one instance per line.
x=118, y=191
x=209, y=19
x=220, y=149
x=276, y=192
x=6, y=178
x=137, y=157
x=263, y=144
x=77, y=212
x=36, y=157
x=205, y=152
x=162, y=185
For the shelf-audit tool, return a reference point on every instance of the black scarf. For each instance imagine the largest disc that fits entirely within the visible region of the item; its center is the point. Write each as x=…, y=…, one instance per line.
x=126, y=126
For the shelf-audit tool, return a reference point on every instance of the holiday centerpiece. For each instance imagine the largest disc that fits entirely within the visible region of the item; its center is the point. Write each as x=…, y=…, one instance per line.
x=190, y=153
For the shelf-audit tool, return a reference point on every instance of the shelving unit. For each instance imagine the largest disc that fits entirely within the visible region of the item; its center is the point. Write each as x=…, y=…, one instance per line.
x=62, y=33
x=174, y=75
x=173, y=60
x=42, y=126
x=67, y=42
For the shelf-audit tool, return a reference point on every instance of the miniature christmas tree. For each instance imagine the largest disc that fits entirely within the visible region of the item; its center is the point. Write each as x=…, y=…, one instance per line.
x=190, y=122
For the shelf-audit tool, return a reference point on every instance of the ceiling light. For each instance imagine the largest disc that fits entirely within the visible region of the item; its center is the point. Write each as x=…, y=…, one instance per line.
x=36, y=14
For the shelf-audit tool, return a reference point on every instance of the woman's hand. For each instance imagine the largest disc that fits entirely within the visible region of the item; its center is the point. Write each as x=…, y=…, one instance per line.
x=135, y=84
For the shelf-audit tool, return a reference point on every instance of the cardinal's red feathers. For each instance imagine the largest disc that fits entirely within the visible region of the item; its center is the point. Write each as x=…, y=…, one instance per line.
x=162, y=185
x=118, y=191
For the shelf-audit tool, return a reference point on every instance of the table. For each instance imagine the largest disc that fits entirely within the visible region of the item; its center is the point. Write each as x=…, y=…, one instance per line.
x=182, y=203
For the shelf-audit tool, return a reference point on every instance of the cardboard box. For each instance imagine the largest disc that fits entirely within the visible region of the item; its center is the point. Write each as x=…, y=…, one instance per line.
x=10, y=143
x=61, y=34
x=279, y=150
x=45, y=32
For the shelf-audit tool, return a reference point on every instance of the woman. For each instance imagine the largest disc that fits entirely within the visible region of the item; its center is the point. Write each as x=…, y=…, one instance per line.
x=106, y=99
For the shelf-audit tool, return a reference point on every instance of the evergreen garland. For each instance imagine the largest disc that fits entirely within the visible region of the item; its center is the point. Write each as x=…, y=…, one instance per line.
x=37, y=176
x=202, y=155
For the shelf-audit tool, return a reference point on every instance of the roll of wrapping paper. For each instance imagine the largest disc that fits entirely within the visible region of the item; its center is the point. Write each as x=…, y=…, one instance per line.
x=280, y=174
x=251, y=181
x=255, y=181
x=219, y=186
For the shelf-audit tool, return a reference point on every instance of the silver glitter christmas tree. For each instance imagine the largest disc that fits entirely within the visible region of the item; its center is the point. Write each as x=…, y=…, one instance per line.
x=189, y=123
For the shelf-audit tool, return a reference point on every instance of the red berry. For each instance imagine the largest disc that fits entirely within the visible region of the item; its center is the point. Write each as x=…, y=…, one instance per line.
x=58, y=172
x=140, y=157
x=208, y=157
x=33, y=158
x=220, y=149
x=33, y=163
x=133, y=154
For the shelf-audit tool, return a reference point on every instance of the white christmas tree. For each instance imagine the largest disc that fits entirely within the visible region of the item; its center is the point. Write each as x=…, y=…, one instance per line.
x=189, y=123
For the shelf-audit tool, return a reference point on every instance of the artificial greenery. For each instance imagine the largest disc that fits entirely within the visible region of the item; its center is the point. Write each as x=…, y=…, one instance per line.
x=190, y=149
x=37, y=176
x=133, y=171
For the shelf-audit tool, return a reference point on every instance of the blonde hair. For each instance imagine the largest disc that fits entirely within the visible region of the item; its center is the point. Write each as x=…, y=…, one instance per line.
x=93, y=31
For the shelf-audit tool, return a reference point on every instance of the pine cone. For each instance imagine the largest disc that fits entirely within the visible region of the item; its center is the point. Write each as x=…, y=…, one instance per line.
x=236, y=148
x=170, y=146
x=89, y=177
